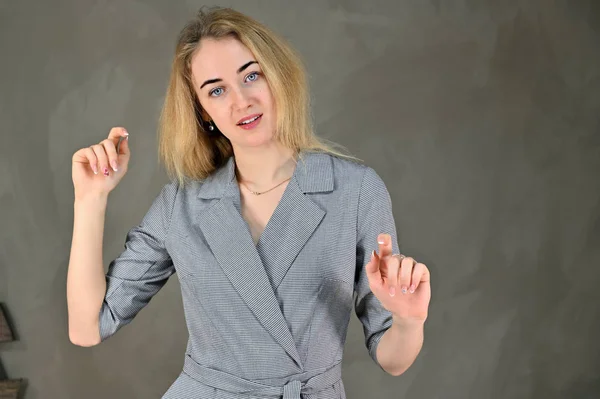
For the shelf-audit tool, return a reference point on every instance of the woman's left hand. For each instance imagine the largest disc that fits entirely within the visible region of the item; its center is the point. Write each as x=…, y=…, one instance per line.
x=400, y=283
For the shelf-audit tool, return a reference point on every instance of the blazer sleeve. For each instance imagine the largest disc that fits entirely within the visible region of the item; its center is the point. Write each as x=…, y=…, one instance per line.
x=143, y=267
x=374, y=217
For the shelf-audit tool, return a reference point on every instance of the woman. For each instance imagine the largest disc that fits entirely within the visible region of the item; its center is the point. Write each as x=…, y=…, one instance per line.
x=270, y=230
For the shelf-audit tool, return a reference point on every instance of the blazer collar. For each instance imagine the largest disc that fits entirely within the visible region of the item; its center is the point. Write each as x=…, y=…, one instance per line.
x=313, y=172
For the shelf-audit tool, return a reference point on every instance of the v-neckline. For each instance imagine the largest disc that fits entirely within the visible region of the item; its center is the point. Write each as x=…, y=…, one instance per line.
x=238, y=204
x=276, y=211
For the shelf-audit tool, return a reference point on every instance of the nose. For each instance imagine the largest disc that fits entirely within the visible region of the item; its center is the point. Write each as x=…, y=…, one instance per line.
x=241, y=99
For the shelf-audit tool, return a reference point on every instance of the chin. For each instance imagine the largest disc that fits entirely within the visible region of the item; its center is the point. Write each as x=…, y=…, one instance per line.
x=256, y=139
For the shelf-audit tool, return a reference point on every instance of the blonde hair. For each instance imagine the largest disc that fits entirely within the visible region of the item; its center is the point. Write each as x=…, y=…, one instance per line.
x=185, y=147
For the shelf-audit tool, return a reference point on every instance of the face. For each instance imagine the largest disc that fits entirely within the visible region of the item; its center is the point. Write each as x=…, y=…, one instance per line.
x=233, y=92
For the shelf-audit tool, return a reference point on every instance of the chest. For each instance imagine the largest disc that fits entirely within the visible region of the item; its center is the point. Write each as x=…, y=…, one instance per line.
x=284, y=234
x=258, y=209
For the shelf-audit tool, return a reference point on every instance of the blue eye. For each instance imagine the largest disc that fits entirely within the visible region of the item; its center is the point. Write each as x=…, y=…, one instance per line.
x=213, y=91
x=255, y=74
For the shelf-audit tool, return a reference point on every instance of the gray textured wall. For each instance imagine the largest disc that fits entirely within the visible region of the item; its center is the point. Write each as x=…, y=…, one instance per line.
x=482, y=118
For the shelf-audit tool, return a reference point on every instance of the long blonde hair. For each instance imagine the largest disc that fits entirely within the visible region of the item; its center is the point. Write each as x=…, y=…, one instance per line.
x=185, y=147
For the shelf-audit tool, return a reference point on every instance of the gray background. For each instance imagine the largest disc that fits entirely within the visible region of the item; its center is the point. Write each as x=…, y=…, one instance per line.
x=481, y=116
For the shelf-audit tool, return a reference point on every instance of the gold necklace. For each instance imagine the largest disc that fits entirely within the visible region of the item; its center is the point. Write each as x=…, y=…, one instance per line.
x=257, y=193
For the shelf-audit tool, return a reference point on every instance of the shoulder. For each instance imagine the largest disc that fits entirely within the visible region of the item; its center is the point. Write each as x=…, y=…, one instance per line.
x=357, y=175
x=171, y=188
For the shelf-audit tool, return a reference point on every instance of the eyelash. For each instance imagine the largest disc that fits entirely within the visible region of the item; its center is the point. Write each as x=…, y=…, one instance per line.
x=210, y=93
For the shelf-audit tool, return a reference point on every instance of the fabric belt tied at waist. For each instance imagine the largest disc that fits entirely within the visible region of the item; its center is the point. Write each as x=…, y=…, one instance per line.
x=305, y=383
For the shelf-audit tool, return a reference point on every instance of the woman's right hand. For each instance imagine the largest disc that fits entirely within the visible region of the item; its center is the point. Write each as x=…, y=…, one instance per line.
x=94, y=167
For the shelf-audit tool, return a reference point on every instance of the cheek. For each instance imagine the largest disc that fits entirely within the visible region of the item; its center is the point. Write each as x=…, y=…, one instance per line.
x=214, y=110
x=264, y=92
x=267, y=99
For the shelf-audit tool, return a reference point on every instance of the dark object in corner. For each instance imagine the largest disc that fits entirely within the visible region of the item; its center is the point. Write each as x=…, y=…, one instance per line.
x=5, y=331
x=9, y=389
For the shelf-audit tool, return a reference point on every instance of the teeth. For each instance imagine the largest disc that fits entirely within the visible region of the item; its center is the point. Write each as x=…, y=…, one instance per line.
x=249, y=121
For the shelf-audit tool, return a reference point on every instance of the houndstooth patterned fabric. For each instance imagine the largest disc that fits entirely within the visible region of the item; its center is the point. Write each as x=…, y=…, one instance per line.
x=266, y=320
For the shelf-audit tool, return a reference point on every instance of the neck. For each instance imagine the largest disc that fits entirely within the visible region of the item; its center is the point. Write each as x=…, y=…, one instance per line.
x=262, y=168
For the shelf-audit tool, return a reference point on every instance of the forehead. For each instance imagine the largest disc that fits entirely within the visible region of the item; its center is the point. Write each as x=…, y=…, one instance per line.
x=219, y=58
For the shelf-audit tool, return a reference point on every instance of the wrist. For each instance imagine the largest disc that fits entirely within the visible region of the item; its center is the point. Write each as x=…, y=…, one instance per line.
x=90, y=200
x=407, y=322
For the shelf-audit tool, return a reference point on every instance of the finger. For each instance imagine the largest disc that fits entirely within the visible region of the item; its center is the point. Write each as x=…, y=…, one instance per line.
x=102, y=158
x=385, y=245
x=119, y=136
x=123, y=147
x=373, y=272
x=116, y=133
x=420, y=275
x=87, y=155
x=393, y=264
x=406, y=271
x=111, y=153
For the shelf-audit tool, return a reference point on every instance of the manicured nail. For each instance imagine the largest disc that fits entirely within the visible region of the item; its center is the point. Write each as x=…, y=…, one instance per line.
x=404, y=289
x=114, y=165
x=105, y=171
x=412, y=289
x=373, y=256
x=95, y=169
x=392, y=291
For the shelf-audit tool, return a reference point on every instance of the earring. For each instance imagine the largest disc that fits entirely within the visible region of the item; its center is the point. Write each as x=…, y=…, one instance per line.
x=211, y=127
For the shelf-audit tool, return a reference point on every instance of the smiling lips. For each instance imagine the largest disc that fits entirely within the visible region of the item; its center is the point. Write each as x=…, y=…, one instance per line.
x=250, y=121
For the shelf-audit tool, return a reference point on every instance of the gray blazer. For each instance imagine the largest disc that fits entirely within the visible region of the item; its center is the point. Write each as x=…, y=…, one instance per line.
x=266, y=320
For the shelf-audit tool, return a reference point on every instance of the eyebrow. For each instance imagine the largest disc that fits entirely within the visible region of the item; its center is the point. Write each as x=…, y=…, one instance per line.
x=240, y=70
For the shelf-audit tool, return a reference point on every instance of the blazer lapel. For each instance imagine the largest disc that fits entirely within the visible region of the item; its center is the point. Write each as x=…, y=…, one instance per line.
x=292, y=223
x=296, y=216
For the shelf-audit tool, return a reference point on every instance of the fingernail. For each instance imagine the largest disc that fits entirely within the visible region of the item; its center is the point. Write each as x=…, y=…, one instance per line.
x=404, y=289
x=95, y=169
x=392, y=291
x=105, y=171
x=114, y=165
x=380, y=241
x=412, y=289
x=372, y=255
